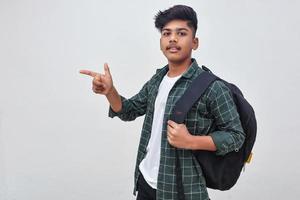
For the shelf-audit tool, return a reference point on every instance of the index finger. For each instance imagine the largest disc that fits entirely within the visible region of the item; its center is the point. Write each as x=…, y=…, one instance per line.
x=88, y=72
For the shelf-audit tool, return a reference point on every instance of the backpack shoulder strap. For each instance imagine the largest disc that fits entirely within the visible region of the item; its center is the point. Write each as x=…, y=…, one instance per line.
x=192, y=94
x=180, y=110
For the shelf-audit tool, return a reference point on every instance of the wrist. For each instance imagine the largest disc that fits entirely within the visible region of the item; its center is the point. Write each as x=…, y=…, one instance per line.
x=202, y=142
x=110, y=91
x=191, y=142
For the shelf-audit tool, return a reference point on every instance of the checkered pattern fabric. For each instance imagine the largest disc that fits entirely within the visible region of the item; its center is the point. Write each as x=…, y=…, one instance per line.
x=213, y=114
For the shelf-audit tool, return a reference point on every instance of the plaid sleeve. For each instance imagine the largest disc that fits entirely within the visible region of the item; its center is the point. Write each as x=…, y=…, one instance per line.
x=134, y=107
x=229, y=134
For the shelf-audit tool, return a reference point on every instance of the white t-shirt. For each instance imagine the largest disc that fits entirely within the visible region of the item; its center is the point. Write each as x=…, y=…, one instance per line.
x=150, y=164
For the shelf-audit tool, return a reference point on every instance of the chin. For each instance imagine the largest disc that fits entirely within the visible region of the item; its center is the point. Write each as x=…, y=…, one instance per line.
x=176, y=59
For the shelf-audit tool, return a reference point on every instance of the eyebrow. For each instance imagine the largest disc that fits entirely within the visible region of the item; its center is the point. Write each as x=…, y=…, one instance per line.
x=177, y=29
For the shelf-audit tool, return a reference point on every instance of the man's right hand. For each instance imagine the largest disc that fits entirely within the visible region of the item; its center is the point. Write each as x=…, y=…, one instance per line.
x=102, y=83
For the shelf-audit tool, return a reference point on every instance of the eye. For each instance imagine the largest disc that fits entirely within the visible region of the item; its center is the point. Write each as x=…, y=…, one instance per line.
x=181, y=33
x=166, y=33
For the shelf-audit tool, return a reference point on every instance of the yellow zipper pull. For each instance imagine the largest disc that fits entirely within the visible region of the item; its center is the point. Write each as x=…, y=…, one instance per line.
x=249, y=158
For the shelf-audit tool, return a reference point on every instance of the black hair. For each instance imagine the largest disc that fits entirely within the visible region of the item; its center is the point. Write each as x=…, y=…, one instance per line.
x=181, y=12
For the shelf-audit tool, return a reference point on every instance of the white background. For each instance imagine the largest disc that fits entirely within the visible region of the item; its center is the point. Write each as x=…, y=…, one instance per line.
x=56, y=141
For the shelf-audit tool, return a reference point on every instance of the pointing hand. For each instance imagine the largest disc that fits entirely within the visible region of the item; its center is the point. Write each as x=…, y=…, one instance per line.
x=102, y=83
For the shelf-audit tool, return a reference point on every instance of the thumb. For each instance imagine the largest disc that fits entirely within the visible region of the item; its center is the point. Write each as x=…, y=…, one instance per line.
x=106, y=69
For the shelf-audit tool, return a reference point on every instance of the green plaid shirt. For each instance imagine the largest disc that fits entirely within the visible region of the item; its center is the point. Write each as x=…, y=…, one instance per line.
x=214, y=114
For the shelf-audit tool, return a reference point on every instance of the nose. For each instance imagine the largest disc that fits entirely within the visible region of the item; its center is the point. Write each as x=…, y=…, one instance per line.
x=173, y=38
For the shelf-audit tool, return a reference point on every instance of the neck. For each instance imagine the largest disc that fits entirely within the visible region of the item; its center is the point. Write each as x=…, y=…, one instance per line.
x=178, y=68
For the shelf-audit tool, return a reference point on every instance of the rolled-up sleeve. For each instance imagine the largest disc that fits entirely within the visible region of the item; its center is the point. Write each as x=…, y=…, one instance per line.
x=228, y=135
x=132, y=108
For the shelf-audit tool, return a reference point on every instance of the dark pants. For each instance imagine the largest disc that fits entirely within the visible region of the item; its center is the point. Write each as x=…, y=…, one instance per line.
x=145, y=191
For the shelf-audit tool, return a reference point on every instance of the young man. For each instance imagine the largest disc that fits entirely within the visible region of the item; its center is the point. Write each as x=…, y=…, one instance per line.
x=212, y=124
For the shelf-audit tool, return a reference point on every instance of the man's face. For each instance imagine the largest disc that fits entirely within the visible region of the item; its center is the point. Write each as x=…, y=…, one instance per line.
x=177, y=41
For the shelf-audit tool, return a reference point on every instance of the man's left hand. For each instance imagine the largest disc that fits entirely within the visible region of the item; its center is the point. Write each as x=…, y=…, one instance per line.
x=178, y=135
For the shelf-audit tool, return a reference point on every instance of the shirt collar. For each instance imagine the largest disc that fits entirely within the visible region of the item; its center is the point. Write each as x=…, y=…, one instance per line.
x=191, y=70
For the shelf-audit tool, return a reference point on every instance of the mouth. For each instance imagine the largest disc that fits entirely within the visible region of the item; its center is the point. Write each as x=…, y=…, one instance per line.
x=173, y=48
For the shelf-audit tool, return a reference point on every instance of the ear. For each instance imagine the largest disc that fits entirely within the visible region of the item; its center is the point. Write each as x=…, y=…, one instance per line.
x=160, y=44
x=195, y=43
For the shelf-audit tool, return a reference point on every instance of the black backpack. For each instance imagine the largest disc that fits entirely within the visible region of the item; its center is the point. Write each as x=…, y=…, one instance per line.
x=220, y=172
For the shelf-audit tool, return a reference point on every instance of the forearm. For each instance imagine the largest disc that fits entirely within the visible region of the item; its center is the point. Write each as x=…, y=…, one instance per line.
x=202, y=143
x=128, y=109
x=114, y=100
x=227, y=141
